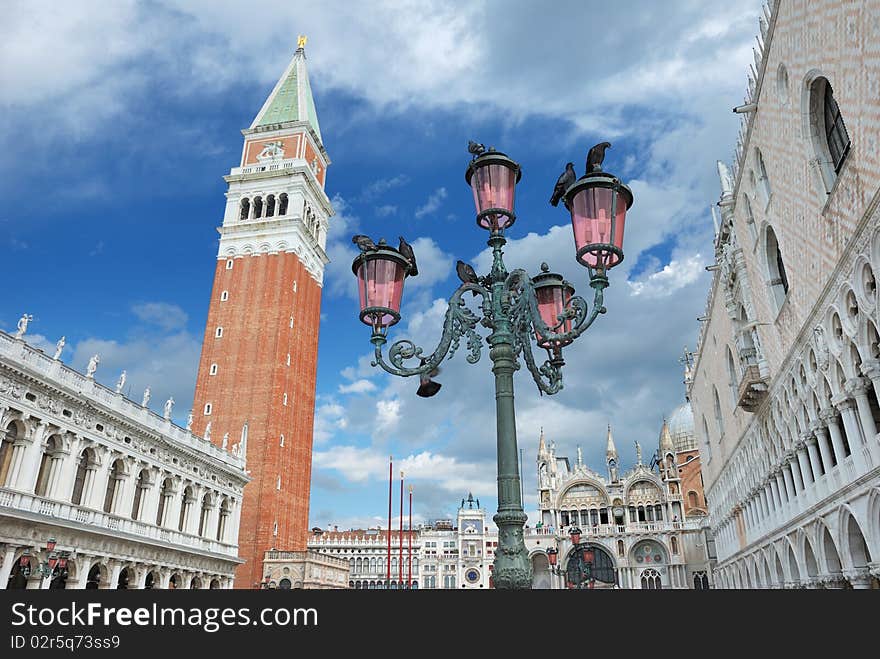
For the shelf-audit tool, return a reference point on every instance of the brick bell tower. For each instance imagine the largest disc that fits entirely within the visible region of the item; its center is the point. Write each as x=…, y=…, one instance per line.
x=259, y=355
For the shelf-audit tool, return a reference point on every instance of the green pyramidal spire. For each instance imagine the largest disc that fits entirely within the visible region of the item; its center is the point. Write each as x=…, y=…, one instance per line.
x=291, y=99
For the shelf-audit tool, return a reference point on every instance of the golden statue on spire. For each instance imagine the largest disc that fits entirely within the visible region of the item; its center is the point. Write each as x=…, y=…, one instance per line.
x=301, y=41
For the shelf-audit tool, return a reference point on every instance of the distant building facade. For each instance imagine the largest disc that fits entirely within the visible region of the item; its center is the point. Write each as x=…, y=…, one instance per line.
x=787, y=371
x=644, y=529
x=97, y=491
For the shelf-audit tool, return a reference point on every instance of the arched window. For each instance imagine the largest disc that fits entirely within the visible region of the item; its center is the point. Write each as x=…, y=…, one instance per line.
x=763, y=182
x=245, y=209
x=140, y=485
x=114, y=486
x=270, y=205
x=651, y=580
x=164, y=496
x=701, y=581
x=777, y=279
x=86, y=459
x=692, y=499
x=225, y=510
x=186, y=500
x=258, y=207
x=673, y=543
x=8, y=440
x=719, y=419
x=48, y=464
x=282, y=204
x=830, y=138
x=732, y=378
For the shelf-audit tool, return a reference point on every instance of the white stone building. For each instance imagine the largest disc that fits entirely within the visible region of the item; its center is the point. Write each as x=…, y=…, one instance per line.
x=642, y=532
x=130, y=499
x=787, y=371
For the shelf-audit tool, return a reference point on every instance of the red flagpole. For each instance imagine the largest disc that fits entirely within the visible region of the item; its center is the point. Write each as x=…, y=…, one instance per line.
x=400, y=534
x=409, y=571
x=390, y=479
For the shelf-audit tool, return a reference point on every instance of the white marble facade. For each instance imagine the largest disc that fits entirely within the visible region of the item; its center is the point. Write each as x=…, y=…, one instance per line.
x=786, y=380
x=131, y=500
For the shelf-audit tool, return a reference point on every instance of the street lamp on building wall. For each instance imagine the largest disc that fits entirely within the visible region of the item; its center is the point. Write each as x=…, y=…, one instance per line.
x=55, y=564
x=515, y=307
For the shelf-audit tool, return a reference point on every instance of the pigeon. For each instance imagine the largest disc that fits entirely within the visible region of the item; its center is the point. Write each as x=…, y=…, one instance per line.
x=466, y=273
x=364, y=243
x=565, y=179
x=407, y=251
x=596, y=156
x=476, y=148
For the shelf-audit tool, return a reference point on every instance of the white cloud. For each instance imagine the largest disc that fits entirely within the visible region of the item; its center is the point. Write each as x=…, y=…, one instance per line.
x=357, y=387
x=387, y=414
x=432, y=204
x=674, y=275
x=386, y=210
x=378, y=188
x=164, y=315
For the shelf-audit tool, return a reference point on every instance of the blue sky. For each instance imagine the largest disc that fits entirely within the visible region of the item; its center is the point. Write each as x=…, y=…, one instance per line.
x=121, y=118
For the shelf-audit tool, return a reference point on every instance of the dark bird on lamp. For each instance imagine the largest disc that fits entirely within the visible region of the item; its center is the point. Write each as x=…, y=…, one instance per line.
x=364, y=243
x=596, y=156
x=427, y=387
x=565, y=179
x=476, y=148
x=407, y=251
x=466, y=273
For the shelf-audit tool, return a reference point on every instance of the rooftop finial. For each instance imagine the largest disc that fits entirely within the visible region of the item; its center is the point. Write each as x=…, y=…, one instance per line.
x=301, y=41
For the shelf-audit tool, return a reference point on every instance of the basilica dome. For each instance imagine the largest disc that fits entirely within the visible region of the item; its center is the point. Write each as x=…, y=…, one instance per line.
x=681, y=428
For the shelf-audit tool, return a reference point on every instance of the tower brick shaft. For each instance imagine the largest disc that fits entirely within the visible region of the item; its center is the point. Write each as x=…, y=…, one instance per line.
x=256, y=380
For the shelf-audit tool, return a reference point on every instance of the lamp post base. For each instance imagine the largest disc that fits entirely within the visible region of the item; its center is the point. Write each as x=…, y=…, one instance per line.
x=512, y=569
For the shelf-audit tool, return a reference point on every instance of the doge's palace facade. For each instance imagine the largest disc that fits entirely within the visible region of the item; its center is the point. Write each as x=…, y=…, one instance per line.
x=786, y=379
x=98, y=491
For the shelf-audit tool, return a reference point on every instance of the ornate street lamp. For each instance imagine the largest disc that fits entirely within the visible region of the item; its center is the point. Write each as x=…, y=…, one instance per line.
x=515, y=307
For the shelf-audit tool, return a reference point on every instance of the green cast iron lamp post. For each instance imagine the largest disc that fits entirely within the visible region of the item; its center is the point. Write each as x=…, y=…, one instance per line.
x=515, y=308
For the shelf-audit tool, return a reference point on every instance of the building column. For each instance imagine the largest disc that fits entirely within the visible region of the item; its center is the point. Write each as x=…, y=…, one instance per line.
x=797, y=476
x=830, y=417
x=823, y=442
x=858, y=387
x=98, y=484
x=787, y=480
x=150, y=506
x=769, y=500
x=807, y=473
x=8, y=564
x=813, y=453
x=853, y=432
x=25, y=475
x=114, y=567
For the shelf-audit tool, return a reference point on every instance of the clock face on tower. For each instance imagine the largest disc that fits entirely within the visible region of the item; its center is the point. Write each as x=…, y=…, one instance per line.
x=473, y=526
x=472, y=575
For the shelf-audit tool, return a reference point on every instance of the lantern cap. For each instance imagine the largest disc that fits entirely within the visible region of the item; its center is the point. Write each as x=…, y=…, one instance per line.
x=598, y=180
x=547, y=278
x=492, y=157
x=382, y=251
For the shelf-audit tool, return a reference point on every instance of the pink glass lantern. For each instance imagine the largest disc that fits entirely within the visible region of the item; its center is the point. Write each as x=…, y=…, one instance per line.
x=598, y=204
x=553, y=294
x=552, y=555
x=380, y=274
x=493, y=178
x=575, y=536
x=50, y=544
x=588, y=556
x=53, y=561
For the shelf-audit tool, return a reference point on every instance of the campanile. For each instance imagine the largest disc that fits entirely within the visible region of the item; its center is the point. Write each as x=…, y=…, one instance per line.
x=256, y=379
